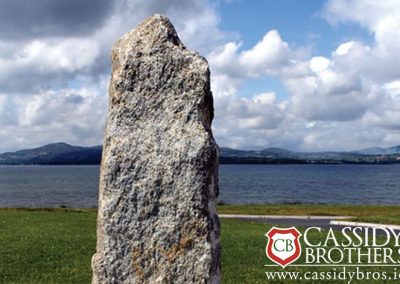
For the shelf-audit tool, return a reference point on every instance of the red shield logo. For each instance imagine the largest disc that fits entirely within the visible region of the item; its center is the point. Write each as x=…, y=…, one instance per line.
x=283, y=245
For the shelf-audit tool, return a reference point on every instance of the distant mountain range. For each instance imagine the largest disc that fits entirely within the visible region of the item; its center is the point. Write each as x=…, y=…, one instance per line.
x=282, y=156
x=54, y=154
x=65, y=154
x=379, y=151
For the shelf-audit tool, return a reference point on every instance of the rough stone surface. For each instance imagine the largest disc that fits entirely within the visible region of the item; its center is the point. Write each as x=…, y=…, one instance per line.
x=157, y=221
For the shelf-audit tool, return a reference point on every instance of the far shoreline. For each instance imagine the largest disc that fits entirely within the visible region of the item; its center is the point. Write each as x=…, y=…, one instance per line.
x=239, y=163
x=385, y=214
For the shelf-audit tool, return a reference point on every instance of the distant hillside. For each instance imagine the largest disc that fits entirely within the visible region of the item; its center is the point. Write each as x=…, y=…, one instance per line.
x=54, y=154
x=379, y=151
x=65, y=154
x=283, y=156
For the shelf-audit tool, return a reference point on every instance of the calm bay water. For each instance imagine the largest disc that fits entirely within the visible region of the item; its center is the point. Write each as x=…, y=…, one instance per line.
x=311, y=184
x=48, y=186
x=76, y=186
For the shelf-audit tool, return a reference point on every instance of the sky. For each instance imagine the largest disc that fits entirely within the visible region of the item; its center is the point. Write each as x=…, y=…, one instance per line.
x=303, y=75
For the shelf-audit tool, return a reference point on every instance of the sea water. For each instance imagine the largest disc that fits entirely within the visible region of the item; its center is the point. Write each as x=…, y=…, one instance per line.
x=77, y=186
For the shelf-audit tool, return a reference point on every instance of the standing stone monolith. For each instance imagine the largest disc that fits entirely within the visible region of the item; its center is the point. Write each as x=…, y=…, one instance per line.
x=157, y=220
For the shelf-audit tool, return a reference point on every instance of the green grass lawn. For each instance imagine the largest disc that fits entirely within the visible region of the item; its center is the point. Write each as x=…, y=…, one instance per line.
x=46, y=246
x=55, y=246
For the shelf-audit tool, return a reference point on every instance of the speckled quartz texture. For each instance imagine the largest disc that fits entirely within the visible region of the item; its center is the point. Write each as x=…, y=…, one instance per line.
x=157, y=220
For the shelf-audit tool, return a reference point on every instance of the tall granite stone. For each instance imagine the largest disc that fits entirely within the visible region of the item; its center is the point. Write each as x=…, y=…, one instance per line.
x=157, y=220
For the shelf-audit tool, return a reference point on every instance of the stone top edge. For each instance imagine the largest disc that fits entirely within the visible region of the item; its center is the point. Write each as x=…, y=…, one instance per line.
x=152, y=30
